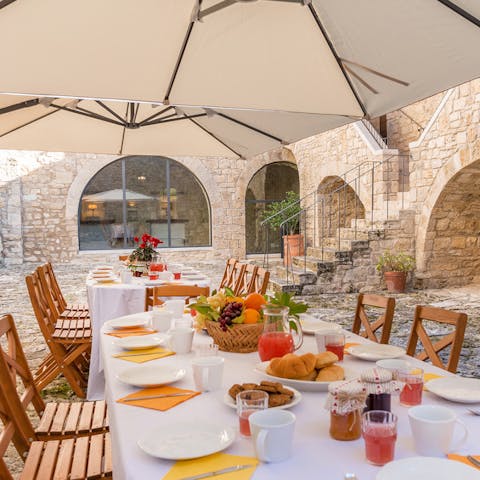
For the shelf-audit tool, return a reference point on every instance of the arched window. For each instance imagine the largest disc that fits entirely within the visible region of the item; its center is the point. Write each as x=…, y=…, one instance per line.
x=269, y=184
x=141, y=194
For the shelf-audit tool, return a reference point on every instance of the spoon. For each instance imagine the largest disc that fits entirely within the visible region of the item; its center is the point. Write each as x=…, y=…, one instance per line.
x=475, y=411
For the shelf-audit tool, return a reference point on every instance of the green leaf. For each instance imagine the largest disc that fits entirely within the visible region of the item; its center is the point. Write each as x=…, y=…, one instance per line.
x=229, y=292
x=293, y=325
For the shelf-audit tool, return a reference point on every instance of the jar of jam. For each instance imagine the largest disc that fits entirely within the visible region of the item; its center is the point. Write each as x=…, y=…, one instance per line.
x=345, y=401
x=379, y=386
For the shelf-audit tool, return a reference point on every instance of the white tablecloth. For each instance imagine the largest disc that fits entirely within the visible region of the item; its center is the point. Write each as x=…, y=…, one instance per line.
x=315, y=454
x=105, y=302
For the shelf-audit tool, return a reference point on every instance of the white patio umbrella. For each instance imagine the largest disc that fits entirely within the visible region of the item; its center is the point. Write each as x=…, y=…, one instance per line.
x=352, y=58
x=126, y=128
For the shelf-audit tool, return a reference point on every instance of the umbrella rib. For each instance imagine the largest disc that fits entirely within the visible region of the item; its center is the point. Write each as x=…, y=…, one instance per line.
x=18, y=106
x=337, y=58
x=108, y=109
x=215, y=8
x=375, y=72
x=88, y=113
x=460, y=11
x=151, y=117
x=167, y=119
x=4, y=3
x=361, y=80
x=215, y=137
x=246, y=125
x=27, y=124
x=166, y=100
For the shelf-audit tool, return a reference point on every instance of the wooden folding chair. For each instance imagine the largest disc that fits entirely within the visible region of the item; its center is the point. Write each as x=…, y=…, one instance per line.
x=246, y=282
x=58, y=301
x=68, y=344
x=454, y=339
x=260, y=282
x=387, y=304
x=57, y=420
x=155, y=295
x=233, y=271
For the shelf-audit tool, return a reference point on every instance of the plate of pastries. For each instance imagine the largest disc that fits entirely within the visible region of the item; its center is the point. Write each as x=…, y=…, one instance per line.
x=309, y=372
x=279, y=396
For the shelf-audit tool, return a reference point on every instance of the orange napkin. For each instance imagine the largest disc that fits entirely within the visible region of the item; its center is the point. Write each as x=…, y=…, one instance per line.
x=141, y=356
x=217, y=461
x=348, y=345
x=463, y=459
x=161, y=404
x=131, y=332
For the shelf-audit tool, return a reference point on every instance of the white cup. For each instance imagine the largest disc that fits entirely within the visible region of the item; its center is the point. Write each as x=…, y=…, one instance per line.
x=322, y=332
x=176, y=307
x=208, y=373
x=181, y=340
x=272, y=433
x=126, y=276
x=186, y=321
x=432, y=428
x=161, y=319
x=166, y=276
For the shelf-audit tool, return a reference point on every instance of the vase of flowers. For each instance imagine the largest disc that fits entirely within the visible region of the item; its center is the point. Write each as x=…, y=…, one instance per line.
x=143, y=254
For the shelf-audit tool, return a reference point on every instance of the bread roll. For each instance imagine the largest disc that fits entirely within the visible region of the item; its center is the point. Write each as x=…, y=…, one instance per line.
x=325, y=359
x=310, y=377
x=292, y=366
x=330, y=374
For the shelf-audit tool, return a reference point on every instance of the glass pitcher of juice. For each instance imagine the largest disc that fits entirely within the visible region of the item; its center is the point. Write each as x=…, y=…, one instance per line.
x=279, y=336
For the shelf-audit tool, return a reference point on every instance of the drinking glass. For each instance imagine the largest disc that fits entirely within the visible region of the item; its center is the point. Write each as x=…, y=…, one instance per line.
x=379, y=430
x=176, y=271
x=411, y=394
x=335, y=343
x=248, y=402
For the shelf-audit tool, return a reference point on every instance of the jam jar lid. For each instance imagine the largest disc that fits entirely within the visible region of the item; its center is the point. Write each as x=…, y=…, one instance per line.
x=379, y=380
x=345, y=397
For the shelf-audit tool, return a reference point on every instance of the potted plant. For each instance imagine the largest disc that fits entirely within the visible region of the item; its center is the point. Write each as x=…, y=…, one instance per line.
x=142, y=255
x=285, y=215
x=395, y=267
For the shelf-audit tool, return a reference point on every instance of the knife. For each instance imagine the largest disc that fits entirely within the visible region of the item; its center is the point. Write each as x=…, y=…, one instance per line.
x=218, y=472
x=473, y=461
x=163, y=395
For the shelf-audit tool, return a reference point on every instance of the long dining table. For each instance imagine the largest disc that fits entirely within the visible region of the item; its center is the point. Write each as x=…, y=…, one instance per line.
x=315, y=453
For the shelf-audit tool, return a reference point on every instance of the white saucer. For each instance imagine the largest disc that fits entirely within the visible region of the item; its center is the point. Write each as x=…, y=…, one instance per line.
x=456, y=389
x=182, y=441
x=375, y=351
x=311, y=324
x=147, y=376
x=128, y=321
x=140, y=342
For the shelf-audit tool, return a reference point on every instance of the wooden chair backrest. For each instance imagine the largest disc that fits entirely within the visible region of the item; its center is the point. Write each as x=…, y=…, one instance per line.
x=430, y=350
x=246, y=282
x=154, y=295
x=363, y=326
x=53, y=286
x=235, y=274
x=261, y=279
x=13, y=404
x=228, y=273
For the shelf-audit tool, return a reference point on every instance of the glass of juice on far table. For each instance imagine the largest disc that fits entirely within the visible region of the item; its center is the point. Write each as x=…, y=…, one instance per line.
x=379, y=430
x=411, y=394
x=248, y=402
x=335, y=343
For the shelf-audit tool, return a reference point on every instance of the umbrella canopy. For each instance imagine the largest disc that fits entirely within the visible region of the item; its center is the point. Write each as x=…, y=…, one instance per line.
x=351, y=58
x=115, y=195
x=126, y=128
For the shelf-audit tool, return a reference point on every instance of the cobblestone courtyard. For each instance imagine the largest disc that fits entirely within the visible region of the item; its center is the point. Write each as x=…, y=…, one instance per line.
x=332, y=307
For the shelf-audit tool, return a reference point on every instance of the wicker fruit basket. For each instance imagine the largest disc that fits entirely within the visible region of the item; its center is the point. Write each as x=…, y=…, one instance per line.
x=240, y=338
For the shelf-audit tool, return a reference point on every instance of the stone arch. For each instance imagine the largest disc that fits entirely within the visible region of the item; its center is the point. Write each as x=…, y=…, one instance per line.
x=338, y=205
x=90, y=165
x=451, y=248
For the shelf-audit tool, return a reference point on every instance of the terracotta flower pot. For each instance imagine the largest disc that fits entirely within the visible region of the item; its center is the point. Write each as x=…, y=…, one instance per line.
x=395, y=281
x=293, y=246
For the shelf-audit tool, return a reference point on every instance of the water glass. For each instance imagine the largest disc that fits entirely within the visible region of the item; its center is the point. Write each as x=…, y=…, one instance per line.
x=379, y=430
x=335, y=343
x=411, y=394
x=248, y=402
x=206, y=350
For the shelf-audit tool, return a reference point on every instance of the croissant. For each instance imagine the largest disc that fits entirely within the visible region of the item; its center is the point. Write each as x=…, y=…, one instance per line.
x=292, y=366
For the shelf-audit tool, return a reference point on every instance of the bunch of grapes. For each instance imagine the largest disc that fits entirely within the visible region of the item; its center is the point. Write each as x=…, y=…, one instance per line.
x=232, y=310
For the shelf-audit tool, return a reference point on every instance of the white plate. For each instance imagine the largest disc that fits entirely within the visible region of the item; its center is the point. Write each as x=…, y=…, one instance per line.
x=147, y=376
x=311, y=324
x=105, y=280
x=373, y=352
x=302, y=385
x=456, y=389
x=193, y=276
x=421, y=468
x=129, y=321
x=297, y=396
x=140, y=342
x=152, y=283
x=182, y=441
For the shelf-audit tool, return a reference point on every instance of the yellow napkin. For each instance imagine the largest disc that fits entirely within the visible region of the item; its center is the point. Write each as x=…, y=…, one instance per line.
x=427, y=377
x=158, y=403
x=217, y=461
x=463, y=459
x=348, y=345
x=131, y=332
x=144, y=355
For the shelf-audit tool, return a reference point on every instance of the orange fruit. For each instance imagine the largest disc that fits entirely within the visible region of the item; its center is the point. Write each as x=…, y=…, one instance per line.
x=250, y=315
x=255, y=300
x=235, y=299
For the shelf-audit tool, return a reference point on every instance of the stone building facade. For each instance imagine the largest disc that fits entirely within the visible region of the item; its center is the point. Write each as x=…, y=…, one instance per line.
x=420, y=194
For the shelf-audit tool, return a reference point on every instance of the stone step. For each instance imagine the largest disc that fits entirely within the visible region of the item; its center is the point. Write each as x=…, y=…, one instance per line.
x=278, y=285
x=296, y=275
x=352, y=234
x=327, y=255
x=314, y=264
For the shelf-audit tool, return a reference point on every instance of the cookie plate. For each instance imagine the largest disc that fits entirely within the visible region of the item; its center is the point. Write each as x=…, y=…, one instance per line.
x=297, y=396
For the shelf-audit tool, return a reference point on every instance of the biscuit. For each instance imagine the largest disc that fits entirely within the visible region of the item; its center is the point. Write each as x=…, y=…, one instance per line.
x=277, y=400
x=325, y=359
x=265, y=388
x=234, y=390
x=285, y=391
x=330, y=374
x=249, y=386
x=266, y=383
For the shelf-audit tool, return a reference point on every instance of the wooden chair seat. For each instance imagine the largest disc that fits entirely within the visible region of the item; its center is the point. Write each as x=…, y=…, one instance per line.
x=70, y=459
x=72, y=419
x=73, y=331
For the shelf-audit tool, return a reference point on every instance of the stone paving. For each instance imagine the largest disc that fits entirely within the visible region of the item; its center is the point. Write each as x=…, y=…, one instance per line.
x=333, y=307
